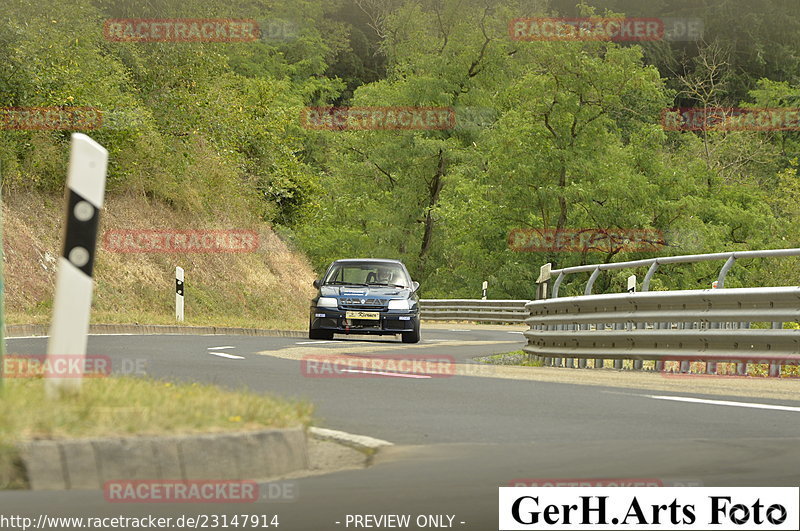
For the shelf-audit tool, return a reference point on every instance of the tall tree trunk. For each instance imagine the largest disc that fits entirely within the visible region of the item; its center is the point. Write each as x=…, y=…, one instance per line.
x=562, y=200
x=433, y=198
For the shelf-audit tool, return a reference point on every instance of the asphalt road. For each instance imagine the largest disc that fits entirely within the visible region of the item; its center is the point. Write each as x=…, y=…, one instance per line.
x=459, y=437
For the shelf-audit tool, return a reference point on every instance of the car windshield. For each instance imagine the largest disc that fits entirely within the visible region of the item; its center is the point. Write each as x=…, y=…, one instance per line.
x=368, y=274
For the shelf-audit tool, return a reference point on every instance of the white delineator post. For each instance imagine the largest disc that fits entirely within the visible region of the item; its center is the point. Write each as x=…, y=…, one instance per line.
x=179, y=293
x=632, y=284
x=637, y=364
x=86, y=182
x=485, y=287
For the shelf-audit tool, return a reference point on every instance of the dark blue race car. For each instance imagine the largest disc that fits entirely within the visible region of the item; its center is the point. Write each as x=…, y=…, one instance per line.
x=365, y=296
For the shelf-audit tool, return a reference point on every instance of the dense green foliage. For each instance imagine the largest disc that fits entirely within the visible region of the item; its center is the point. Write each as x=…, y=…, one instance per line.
x=548, y=134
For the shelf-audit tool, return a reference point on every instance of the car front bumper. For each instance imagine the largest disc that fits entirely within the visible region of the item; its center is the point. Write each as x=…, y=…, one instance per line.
x=389, y=322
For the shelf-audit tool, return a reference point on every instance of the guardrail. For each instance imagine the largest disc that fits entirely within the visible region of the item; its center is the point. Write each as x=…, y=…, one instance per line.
x=489, y=311
x=730, y=259
x=741, y=325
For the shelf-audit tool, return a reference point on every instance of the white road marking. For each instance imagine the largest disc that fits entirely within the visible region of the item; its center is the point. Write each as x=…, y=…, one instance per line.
x=724, y=403
x=461, y=330
x=433, y=340
x=381, y=373
x=314, y=342
x=219, y=348
x=114, y=335
x=515, y=333
x=229, y=356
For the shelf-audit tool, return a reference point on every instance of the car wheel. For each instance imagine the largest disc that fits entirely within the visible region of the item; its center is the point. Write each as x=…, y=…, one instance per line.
x=319, y=334
x=413, y=336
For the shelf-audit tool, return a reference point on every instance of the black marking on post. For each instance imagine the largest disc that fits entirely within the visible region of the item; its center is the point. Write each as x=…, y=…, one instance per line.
x=179, y=286
x=81, y=233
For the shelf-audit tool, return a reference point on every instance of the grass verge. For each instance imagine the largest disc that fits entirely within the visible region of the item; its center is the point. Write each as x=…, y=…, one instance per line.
x=130, y=407
x=517, y=357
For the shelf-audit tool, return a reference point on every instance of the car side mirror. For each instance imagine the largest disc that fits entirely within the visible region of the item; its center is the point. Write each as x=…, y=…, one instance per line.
x=414, y=286
x=316, y=283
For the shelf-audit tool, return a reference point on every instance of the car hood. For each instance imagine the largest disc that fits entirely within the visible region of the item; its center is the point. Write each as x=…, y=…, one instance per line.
x=383, y=292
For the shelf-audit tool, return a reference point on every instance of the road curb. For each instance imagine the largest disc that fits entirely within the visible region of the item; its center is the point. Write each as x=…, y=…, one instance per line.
x=28, y=330
x=73, y=464
x=362, y=443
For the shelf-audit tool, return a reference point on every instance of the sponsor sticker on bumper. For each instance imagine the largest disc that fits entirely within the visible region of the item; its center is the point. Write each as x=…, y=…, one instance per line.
x=363, y=315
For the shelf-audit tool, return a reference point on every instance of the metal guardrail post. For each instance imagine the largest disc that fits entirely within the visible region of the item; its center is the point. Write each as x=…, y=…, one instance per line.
x=556, y=285
x=592, y=278
x=724, y=271
x=543, y=280
x=618, y=362
x=775, y=368
x=649, y=276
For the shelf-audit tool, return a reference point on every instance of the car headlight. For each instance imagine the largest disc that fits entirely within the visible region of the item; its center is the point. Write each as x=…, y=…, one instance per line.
x=327, y=302
x=399, y=304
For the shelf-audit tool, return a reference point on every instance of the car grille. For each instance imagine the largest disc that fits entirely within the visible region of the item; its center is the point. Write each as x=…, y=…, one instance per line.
x=355, y=303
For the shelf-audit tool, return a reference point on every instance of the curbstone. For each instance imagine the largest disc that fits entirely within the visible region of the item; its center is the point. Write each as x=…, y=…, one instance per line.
x=167, y=457
x=89, y=463
x=43, y=465
x=124, y=459
x=282, y=451
x=80, y=464
x=25, y=330
x=210, y=456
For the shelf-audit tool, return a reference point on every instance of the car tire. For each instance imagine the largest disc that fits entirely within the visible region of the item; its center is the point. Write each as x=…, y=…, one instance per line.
x=319, y=334
x=413, y=336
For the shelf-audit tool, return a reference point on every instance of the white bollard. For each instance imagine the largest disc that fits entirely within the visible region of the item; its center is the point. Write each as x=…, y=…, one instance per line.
x=86, y=182
x=179, y=293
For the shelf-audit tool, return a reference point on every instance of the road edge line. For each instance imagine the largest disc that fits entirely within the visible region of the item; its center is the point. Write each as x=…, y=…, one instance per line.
x=31, y=330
